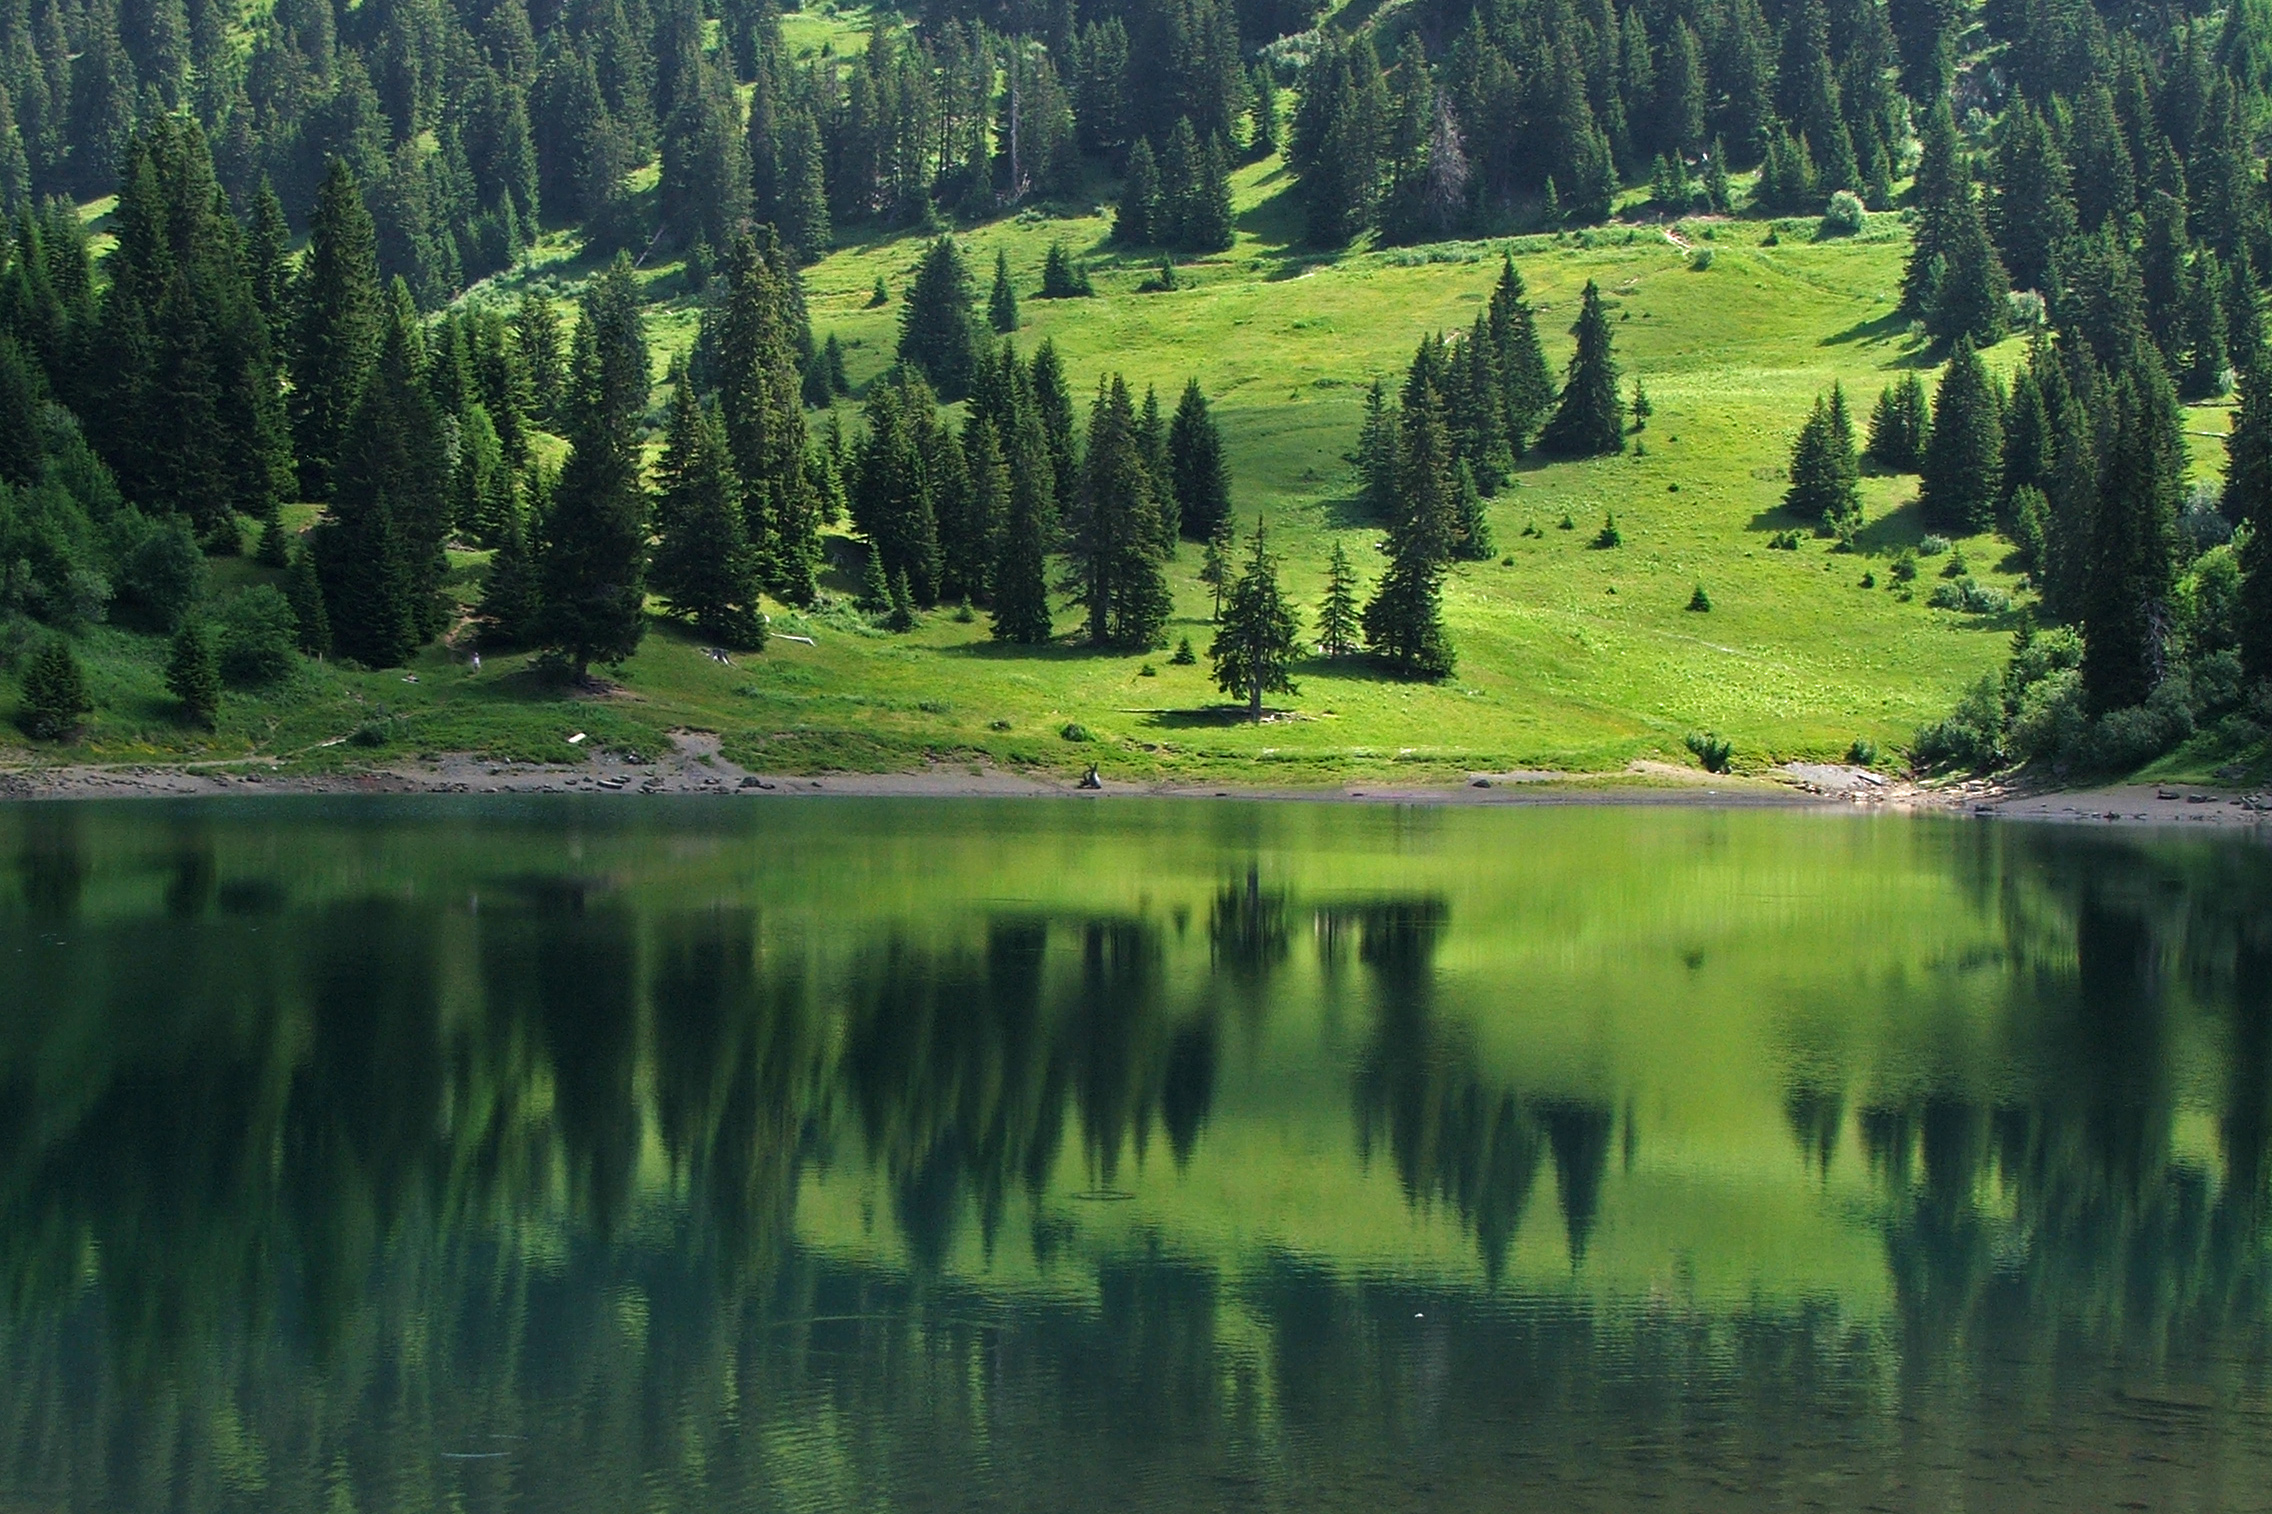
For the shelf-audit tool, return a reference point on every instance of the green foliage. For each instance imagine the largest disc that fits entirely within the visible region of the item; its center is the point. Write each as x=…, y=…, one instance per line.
x=938, y=333
x=591, y=543
x=1825, y=473
x=1260, y=636
x=193, y=673
x=1589, y=420
x=1114, y=538
x=162, y=576
x=1900, y=423
x=1608, y=536
x=1002, y=303
x=259, y=637
x=1198, y=476
x=1711, y=750
x=55, y=693
x=703, y=564
x=1964, y=455
x=1699, y=601
x=1062, y=278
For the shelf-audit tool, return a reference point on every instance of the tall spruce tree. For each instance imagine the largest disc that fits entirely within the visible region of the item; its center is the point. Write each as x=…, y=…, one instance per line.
x=1900, y=422
x=193, y=672
x=1589, y=420
x=1113, y=537
x=1260, y=636
x=1198, y=474
x=1964, y=456
x=755, y=331
x=337, y=333
x=591, y=543
x=1137, y=220
x=938, y=332
x=1404, y=623
x=1338, y=625
x=1021, y=613
x=2133, y=536
x=1825, y=473
x=1002, y=303
x=378, y=551
x=703, y=565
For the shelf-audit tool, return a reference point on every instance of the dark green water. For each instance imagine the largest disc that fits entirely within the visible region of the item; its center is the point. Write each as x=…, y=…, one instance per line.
x=638, y=1155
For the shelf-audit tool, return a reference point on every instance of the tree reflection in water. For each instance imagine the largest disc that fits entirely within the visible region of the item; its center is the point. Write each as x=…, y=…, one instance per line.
x=341, y=1165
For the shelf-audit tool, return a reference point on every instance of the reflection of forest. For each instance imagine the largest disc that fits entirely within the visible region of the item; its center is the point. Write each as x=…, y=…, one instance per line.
x=296, y=1197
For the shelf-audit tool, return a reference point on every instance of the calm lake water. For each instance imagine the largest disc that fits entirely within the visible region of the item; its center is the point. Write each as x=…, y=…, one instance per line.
x=748, y=1154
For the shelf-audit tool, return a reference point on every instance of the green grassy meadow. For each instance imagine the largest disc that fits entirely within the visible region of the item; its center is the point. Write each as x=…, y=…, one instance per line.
x=1571, y=658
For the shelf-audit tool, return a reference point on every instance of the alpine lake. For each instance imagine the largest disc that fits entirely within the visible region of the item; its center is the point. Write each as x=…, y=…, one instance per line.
x=622, y=1154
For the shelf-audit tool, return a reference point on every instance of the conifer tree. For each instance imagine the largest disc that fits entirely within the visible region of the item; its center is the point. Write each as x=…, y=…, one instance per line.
x=896, y=482
x=536, y=337
x=341, y=316
x=1964, y=456
x=379, y=550
x=303, y=590
x=1137, y=221
x=590, y=548
x=2132, y=552
x=937, y=330
x=1020, y=584
x=2027, y=434
x=1404, y=622
x=1471, y=528
x=1338, y=628
x=1200, y=478
x=1825, y=474
x=2205, y=373
x=703, y=565
x=1523, y=374
x=971, y=549
x=1207, y=204
x=1002, y=304
x=1260, y=637
x=1589, y=420
x=1053, y=407
x=1972, y=293
x=1062, y=278
x=2248, y=499
x=1215, y=566
x=55, y=693
x=1899, y=425
x=193, y=673
x=1376, y=455
x=1114, y=536
x=756, y=330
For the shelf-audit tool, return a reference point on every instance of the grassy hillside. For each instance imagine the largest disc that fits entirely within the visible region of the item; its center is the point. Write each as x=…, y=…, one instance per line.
x=1570, y=657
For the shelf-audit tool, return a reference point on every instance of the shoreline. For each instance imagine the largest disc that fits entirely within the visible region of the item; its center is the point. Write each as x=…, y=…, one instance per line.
x=695, y=767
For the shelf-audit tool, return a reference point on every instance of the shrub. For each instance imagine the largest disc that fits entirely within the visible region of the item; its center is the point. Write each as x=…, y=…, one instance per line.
x=55, y=693
x=1073, y=730
x=2052, y=719
x=1969, y=596
x=2024, y=310
x=1783, y=541
x=1700, y=601
x=1956, y=567
x=1863, y=753
x=1608, y=536
x=2123, y=739
x=1904, y=567
x=1971, y=737
x=1147, y=671
x=1844, y=216
x=1183, y=657
x=259, y=637
x=1710, y=749
x=1700, y=261
x=1932, y=546
x=162, y=576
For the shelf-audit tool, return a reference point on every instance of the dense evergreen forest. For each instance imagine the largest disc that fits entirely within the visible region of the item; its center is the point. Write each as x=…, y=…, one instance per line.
x=302, y=194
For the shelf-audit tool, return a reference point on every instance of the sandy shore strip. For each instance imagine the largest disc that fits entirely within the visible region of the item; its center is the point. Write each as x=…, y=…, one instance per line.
x=696, y=766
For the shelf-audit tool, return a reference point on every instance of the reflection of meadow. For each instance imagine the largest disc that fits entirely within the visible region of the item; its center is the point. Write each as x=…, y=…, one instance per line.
x=934, y=1143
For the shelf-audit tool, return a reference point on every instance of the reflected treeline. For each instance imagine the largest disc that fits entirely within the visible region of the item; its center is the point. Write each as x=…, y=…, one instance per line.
x=2064, y=1199
x=1457, y=1134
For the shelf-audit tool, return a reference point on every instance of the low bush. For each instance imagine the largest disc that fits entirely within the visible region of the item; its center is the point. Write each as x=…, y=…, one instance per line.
x=1711, y=749
x=1844, y=216
x=259, y=637
x=1969, y=596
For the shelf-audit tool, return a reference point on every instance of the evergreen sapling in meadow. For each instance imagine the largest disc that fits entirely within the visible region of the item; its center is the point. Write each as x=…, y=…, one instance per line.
x=193, y=673
x=1589, y=420
x=55, y=697
x=1002, y=302
x=1338, y=626
x=1260, y=637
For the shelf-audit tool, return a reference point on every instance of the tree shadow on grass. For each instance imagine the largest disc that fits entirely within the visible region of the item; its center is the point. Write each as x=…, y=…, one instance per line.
x=1277, y=219
x=1902, y=526
x=1881, y=329
x=1347, y=512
